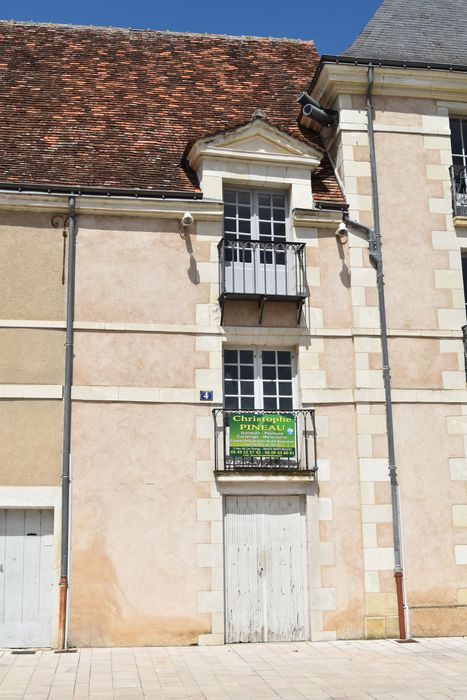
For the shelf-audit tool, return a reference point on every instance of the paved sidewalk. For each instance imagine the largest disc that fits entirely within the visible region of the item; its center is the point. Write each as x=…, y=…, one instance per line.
x=432, y=669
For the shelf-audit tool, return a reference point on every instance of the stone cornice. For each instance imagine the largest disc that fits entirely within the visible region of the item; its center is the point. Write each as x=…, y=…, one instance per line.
x=316, y=218
x=202, y=209
x=344, y=78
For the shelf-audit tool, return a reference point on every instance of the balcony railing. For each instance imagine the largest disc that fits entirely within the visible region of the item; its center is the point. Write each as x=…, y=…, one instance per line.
x=273, y=441
x=459, y=189
x=262, y=270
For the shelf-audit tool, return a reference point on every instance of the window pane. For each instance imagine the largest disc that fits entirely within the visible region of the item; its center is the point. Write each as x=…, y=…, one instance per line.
x=270, y=404
x=246, y=372
x=269, y=372
x=230, y=210
x=244, y=212
x=248, y=403
x=229, y=196
x=284, y=358
x=285, y=388
x=246, y=356
x=278, y=214
x=285, y=373
x=231, y=402
x=456, y=142
x=230, y=225
x=269, y=357
x=464, y=275
x=247, y=388
x=231, y=387
x=230, y=356
x=264, y=199
x=279, y=230
x=244, y=226
x=244, y=198
x=278, y=200
x=265, y=213
x=269, y=388
x=231, y=372
x=285, y=404
x=265, y=229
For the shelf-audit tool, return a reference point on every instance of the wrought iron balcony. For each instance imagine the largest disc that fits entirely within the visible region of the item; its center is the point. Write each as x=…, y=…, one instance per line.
x=260, y=440
x=262, y=271
x=459, y=189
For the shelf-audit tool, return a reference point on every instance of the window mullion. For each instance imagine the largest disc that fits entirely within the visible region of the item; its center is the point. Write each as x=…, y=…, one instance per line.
x=254, y=216
x=259, y=403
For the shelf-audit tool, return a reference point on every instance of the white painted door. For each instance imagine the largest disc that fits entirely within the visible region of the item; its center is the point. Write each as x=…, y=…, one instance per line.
x=26, y=577
x=265, y=569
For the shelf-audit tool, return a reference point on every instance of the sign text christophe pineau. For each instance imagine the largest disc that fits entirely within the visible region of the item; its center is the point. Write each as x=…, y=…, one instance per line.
x=262, y=435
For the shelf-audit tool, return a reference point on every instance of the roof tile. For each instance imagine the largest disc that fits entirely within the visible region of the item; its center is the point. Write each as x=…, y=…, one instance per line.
x=100, y=107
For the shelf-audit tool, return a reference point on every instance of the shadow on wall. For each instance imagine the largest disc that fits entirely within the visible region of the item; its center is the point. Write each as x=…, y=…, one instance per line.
x=192, y=271
x=344, y=273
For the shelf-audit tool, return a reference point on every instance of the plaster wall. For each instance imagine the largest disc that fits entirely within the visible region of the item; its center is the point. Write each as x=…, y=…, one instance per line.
x=31, y=356
x=339, y=487
x=407, y=224
x=429, y=500
x=30, y=442
x=135, y=575
x=138, y=270
x=31, y=267
x=332, y=294
x=137, y=359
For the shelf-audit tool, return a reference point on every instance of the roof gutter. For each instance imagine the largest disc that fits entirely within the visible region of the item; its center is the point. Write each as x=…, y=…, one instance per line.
x=383, y=63
x=77, y=190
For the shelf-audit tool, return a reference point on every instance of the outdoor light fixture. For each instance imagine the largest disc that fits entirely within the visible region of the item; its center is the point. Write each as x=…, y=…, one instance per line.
x=187, y=219
x=342, y=233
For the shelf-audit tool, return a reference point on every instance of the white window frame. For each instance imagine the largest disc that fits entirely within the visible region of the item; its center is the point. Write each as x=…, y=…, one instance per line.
x=254, y=219
x=257, y=377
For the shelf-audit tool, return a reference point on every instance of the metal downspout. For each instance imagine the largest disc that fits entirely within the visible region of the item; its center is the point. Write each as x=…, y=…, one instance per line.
x=377, y=259
x=70, y=309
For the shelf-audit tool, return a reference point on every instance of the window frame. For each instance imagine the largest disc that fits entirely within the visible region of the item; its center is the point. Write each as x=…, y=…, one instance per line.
x=259, y=396
x=254, y=193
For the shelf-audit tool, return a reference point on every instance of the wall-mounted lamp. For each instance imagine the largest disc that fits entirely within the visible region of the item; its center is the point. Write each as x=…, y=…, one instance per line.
x=342, y=233
x=185, y=223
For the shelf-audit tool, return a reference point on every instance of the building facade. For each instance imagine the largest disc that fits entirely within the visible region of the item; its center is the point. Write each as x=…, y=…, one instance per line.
x=173, y=283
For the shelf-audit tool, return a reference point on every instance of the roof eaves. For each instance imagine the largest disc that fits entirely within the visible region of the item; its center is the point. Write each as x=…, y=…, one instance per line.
x=384, y=63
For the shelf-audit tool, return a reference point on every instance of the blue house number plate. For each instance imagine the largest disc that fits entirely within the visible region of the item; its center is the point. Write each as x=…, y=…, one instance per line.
x=205, y=395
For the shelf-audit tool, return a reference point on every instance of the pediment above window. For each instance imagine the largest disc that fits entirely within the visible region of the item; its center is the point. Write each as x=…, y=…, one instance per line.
x=255, y=142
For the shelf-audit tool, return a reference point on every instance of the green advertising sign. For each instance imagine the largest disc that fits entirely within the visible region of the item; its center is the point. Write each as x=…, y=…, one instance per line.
x=262, y=435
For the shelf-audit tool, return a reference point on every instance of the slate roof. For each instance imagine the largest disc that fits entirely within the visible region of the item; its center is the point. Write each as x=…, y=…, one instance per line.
x=428, y=31
x=102, y=107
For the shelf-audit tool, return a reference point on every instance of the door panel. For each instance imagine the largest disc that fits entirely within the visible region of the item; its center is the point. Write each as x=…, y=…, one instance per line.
x=265, y=569
x=26, y=577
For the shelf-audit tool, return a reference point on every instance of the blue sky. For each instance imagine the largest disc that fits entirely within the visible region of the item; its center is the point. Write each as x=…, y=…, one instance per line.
x=333, y=26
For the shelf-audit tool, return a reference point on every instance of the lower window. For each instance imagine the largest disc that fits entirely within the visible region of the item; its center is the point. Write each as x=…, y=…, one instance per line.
x=258, y=379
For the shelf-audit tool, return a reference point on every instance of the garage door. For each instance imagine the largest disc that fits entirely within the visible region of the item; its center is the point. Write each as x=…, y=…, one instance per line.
x=26, y=577
x=265, y=569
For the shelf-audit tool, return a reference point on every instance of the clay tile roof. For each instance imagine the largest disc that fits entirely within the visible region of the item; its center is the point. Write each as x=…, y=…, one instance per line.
x=100, y=107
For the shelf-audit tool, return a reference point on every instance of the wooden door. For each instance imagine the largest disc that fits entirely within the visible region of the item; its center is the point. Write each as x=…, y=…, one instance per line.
x=265, y=569
x=26, y=577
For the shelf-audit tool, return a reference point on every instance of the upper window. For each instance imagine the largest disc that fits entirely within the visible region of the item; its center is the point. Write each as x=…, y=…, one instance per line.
x=255, y=215
x=459, y=168
x=258, y=379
